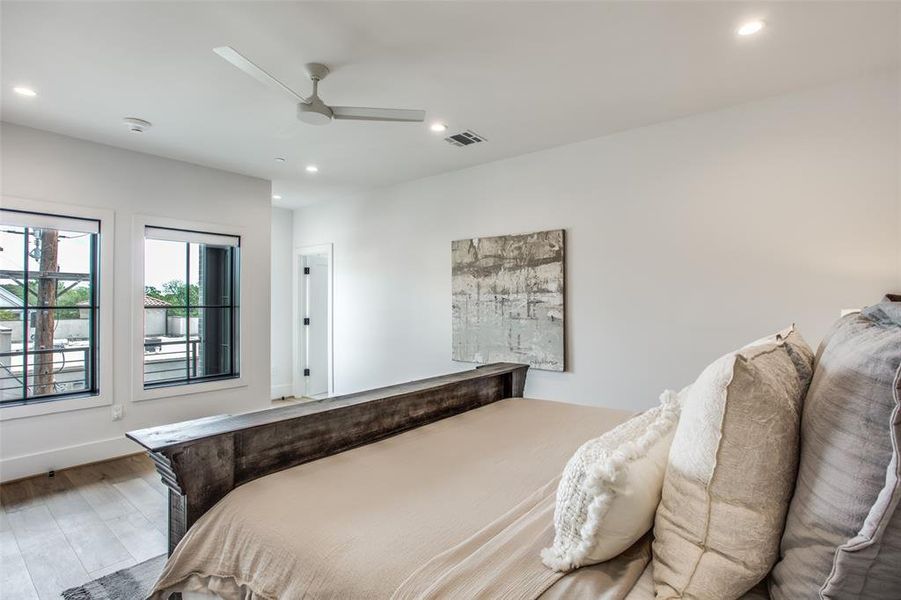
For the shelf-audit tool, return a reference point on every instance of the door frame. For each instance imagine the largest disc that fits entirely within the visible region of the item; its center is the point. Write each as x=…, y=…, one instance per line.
x=299, y=382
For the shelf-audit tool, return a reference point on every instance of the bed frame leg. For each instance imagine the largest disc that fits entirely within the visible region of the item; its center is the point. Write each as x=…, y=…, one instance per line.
x=177, y=521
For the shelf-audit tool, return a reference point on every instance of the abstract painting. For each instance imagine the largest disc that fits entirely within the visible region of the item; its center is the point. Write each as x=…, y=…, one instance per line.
x=508, y=299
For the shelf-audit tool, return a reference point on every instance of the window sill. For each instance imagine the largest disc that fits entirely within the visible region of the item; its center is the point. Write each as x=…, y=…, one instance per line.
x=184, y=389
x=8, y=413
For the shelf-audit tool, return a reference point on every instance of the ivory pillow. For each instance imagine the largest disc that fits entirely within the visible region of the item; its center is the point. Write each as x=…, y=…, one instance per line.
x=610, y=489
x=731, y=471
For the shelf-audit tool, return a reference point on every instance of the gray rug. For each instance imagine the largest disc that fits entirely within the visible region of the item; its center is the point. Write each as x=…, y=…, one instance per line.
x=133, y=583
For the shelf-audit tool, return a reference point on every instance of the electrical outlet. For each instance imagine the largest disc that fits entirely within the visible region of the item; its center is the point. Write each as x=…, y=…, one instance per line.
x=117, y=412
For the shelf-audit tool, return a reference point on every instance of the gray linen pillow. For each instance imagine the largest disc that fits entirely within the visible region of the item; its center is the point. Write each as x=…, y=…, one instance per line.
x=843, y=532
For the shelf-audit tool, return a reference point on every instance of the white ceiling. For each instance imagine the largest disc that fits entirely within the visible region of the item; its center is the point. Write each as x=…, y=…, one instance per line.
x=527, y=76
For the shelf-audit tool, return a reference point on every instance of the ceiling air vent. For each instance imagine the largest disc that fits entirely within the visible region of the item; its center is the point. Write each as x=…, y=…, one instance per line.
x=464, y=139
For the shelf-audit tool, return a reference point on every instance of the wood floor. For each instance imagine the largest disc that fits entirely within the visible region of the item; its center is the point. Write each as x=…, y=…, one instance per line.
x=56, y=533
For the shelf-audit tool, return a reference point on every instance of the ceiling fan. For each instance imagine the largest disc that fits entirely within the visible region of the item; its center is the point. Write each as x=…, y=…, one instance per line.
x=313, y=110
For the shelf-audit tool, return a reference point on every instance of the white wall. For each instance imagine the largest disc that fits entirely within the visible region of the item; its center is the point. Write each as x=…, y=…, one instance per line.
x=39, y=165
x=282, y=294
x=685, y=240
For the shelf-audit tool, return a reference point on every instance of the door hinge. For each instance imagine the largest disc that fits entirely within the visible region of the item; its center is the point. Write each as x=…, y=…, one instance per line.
x=306, y=372
x=306, y=320
x=306, y=270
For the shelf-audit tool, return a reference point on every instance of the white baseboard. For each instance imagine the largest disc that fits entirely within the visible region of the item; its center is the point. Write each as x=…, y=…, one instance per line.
x=17, y=467
x=282, y=390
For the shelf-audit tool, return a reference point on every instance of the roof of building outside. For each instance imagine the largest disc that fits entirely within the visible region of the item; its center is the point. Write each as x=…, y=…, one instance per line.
x=149, y=302
x=9, y=299
x=152, y=302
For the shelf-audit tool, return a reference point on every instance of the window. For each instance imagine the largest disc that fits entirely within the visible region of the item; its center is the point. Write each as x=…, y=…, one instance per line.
x=191, y=307
x=49, y=311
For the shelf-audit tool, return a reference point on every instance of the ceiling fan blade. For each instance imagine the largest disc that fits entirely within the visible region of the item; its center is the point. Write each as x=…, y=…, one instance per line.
x=242, y=62
x=358, y=113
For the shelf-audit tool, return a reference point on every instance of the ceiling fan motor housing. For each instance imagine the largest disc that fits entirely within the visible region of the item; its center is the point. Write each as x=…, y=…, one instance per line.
x=314, y=113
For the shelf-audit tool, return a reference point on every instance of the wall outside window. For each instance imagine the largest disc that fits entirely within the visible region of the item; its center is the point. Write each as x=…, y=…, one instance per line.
x=44, y=166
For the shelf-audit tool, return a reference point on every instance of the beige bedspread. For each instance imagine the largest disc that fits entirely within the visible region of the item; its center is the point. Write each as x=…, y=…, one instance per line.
x=499, y=562
x=358, y=524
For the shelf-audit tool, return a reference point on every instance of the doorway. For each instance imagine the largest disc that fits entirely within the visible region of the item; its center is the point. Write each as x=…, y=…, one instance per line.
x=313, y=373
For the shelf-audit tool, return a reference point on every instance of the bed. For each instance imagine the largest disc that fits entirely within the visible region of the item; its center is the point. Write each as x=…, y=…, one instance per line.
x=457, y=506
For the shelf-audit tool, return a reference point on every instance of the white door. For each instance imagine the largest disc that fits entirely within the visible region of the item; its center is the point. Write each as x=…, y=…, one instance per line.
x=315, y=325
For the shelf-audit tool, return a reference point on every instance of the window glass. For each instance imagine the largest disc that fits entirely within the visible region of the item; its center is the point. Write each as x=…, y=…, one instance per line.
x=48, y=307
x=190, y=318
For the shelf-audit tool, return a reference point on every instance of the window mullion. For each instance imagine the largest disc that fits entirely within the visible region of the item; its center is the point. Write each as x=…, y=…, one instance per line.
x=188, y=312
x=92, y=350
x=25, y=317
x=233, y=369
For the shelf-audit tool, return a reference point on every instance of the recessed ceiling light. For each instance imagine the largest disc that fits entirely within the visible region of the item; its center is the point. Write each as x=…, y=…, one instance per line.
x=438, y=127
x=276, y=197
x=25, y=91
x=312, y=169
x=279, y=159
x=751, y=27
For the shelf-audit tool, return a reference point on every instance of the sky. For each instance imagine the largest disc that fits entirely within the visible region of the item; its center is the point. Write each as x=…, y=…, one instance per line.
x=165, y=261
x=74, y=251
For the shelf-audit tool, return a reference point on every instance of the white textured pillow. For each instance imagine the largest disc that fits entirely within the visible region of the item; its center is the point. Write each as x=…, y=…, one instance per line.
x=610, y=489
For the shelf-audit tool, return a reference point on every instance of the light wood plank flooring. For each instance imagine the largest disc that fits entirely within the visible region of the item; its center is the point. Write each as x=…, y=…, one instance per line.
x=56, y=533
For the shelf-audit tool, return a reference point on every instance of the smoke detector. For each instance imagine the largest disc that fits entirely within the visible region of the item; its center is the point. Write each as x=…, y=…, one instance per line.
x=135, y=125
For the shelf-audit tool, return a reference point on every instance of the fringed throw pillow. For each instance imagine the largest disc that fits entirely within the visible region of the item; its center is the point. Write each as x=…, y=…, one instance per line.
x=610, y=489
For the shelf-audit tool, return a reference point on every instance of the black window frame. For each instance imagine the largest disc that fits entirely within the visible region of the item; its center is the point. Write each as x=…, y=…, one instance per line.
x=233, y=306
x=91, y=353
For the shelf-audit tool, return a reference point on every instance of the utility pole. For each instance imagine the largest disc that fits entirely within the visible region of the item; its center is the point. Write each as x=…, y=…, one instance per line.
x=45, y=322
